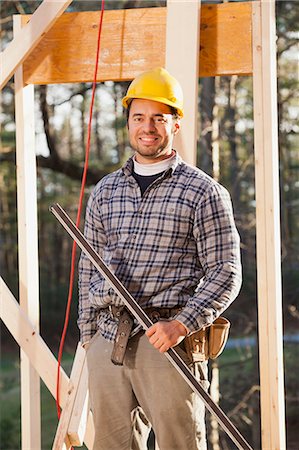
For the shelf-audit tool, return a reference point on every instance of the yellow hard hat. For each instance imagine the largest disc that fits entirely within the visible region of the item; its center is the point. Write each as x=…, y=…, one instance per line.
x=157, y=85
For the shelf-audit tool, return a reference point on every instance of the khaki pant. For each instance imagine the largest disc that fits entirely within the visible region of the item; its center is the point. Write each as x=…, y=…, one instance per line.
x=147, y=382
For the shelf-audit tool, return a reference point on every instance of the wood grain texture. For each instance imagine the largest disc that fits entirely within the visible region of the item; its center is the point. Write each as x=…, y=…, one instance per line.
x=28, y=37
x=134, y=40
x=268, y=235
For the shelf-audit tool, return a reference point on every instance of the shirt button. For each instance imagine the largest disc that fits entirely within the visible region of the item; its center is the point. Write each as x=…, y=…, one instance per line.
x=134, y=236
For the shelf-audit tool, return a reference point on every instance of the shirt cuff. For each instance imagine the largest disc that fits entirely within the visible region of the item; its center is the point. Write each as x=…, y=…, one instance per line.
x=191, y=320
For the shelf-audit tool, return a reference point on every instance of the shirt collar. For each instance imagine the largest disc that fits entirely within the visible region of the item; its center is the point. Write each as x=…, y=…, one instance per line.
x=128, y=167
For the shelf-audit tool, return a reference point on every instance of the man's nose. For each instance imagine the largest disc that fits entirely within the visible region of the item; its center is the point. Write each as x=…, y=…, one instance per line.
x=149, y=125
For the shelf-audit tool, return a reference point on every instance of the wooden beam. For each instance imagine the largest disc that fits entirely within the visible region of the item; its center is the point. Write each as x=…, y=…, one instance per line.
x=268, y=226
x=27, y=249
x=182, y=53
x=134, y=40
x=23, y=44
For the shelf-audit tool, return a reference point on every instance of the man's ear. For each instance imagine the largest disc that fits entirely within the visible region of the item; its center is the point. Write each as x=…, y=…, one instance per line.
x=176, y=126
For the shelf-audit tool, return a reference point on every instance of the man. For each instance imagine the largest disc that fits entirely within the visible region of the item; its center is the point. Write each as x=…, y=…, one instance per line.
x=166, y=229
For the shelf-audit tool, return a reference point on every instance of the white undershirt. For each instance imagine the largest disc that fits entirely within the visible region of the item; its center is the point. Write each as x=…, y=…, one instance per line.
x=152, y=169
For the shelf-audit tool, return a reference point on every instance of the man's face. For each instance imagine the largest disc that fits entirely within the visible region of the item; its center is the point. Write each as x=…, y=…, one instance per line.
x=151, y=130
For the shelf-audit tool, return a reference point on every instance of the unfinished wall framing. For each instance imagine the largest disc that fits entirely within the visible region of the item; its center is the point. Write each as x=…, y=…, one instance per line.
x=42, y=52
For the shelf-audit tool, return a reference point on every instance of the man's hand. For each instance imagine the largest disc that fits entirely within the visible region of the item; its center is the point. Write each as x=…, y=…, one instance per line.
x=165, y=334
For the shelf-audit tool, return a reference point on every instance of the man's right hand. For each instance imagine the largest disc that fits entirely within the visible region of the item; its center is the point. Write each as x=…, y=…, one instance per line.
x=165, y=334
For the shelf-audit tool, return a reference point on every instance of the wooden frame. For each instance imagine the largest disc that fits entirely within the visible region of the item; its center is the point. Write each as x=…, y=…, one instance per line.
x=183, y=23
x=47, y=59
x=23, y=44
x=27, y=248
x=268, y=226
x=45, y=364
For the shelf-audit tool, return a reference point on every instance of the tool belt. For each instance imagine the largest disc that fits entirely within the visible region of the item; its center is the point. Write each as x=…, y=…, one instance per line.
x=208, y=342
x=201, y=345
x=125, y=325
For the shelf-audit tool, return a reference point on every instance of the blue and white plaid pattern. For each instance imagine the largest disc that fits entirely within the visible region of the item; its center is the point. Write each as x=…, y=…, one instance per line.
x=177, y=246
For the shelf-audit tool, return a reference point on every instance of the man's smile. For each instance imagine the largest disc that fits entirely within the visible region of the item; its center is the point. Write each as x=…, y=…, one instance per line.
x=148, y=139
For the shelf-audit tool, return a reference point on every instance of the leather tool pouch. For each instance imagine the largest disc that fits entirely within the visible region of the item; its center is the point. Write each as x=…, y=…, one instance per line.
x=218, y=335
x=208, y=342
x=124, y=329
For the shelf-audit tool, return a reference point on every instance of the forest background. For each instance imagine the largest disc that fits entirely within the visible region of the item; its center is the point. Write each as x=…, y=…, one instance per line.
x=225, y=151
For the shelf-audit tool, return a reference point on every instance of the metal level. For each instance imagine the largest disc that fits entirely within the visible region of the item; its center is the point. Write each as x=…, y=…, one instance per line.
x=145, y=321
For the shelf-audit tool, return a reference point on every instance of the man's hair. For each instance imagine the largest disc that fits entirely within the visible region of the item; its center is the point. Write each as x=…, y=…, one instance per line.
x=173, y=112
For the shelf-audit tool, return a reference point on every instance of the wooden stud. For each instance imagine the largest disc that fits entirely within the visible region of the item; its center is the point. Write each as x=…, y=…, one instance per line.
x=134, y=40
x=268, y=226
x=23, y=44
x=182, y=50
x=28, y=253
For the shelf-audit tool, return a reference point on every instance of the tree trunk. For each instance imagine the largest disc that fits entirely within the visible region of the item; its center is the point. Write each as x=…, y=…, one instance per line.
x=98, y=140
x=232, y=140
x=82, y=113
x=215, y=136
x=207, y=102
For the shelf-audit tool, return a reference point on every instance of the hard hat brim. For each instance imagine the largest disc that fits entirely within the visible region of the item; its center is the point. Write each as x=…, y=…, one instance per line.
x=127, y=100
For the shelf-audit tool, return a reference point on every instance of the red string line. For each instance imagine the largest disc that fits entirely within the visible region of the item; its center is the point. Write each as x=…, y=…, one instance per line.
x=83, y=182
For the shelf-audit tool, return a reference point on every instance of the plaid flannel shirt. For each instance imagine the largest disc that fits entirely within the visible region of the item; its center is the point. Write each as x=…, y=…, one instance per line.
x=175, y=246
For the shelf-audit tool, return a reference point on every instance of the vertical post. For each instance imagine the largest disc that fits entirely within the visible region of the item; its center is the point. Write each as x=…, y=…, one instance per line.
x=214, y=392
x=28, y=252
x=182, y=61
x=268, y=226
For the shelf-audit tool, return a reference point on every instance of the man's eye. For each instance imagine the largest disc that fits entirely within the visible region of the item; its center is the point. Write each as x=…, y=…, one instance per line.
x=160, y=120
x=137, y=119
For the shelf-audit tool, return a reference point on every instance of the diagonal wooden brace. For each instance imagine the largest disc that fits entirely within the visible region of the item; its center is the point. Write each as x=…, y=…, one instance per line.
x=45, y=363
x=28, y=38
x=66, y=414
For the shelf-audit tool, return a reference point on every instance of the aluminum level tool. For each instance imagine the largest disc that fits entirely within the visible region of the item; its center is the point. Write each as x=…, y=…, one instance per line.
x=145, y=321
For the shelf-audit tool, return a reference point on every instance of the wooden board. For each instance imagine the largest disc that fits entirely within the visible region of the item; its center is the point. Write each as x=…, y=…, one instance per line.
x=268, y=243
x=182, y=43
x=39, y=354
x=20, y=47
x=61, y=432
x=134, y=40
x=28, y=338
x=27, y=248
